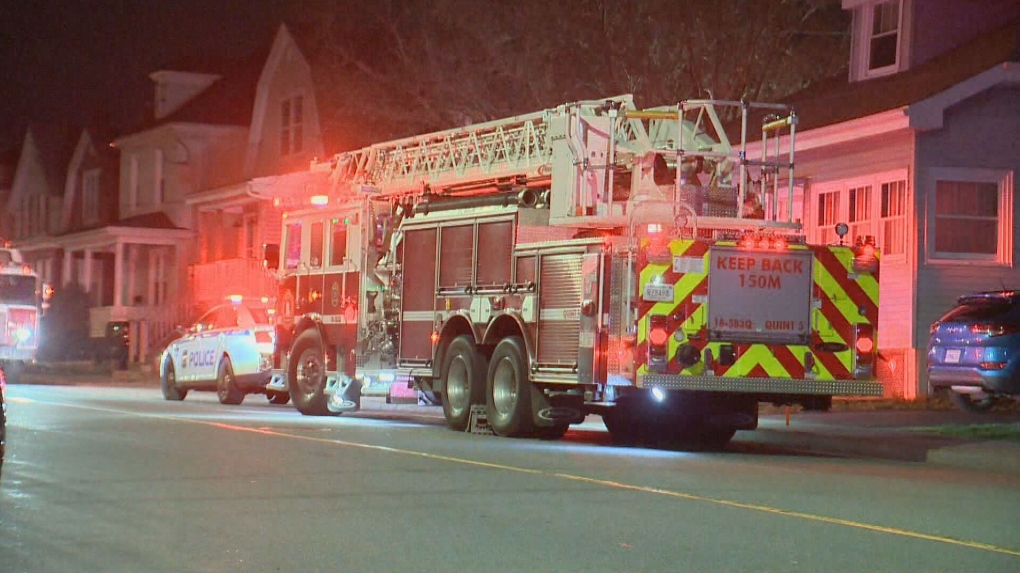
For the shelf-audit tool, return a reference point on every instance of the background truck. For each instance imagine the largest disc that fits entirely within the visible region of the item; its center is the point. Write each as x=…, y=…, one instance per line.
x=20, y=312
x=593, y=258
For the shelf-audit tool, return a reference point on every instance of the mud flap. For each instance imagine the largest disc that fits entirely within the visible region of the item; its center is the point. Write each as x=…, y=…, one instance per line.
x=347, y=397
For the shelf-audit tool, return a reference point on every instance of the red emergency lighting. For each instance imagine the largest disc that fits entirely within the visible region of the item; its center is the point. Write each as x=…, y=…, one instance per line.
x=865, y=345
x=658, y=336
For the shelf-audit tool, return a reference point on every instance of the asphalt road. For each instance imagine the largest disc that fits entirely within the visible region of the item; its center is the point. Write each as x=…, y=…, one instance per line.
x=116, y=479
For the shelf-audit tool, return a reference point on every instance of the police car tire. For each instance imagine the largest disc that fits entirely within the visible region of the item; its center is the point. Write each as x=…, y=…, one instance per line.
x=314, y=403
x=457, y=410
x=509, y=362
x=226, y=388
x=168, y=383
x=967, y=403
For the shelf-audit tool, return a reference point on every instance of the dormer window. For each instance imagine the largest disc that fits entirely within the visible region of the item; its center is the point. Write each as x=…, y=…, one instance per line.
x=885, y=25
x=878, y=30
x=292, y=117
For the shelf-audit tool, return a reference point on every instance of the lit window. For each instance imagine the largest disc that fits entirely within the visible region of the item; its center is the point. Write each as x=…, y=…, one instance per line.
x=894, y=218
x=90, y=196
x=860, y=214
x=292, y=125
x=828, y=216
x=972, y=215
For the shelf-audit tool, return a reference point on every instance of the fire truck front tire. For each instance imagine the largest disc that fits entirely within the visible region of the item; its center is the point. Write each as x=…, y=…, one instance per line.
x=508, y=390
x=168, y=383
x=226, y=386
x=464, y=371
x=306, y=374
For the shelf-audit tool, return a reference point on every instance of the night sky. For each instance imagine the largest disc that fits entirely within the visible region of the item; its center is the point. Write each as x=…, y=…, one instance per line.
x=87, y=61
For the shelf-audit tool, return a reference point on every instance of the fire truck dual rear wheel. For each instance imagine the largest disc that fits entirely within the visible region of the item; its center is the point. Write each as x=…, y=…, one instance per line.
x=463, y=374
x=226, y=386
x=168, y=383
x=306, y=374
x=508, y=392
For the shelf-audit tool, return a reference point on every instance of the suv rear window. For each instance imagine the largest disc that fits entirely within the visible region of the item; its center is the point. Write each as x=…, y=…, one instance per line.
x=977, y=309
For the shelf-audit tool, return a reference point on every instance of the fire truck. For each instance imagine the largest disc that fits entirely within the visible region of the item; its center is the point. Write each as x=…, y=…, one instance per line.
x=20, y=312
x=645, y=265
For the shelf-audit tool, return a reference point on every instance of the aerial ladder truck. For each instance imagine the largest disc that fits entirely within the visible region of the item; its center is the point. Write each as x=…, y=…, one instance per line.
x=645, y=265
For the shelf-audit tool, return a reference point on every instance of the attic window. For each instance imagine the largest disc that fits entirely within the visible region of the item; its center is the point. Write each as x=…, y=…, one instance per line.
x=883, y=41
x=292, y=116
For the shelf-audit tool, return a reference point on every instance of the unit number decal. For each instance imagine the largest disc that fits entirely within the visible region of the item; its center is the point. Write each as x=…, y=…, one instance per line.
x=658, y=292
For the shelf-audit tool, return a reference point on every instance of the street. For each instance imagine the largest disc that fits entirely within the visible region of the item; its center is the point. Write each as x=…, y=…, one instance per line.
x=117, y=479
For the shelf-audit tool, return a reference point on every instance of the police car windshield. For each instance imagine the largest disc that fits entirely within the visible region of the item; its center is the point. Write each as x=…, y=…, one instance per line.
x=17, y=289
x=259, y=315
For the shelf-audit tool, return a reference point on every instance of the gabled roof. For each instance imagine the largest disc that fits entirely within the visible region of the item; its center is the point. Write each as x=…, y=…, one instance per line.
x=839, y=100
x=228, y=101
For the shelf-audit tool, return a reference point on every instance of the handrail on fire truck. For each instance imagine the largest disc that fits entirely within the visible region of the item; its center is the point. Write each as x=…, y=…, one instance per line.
x=608, y=157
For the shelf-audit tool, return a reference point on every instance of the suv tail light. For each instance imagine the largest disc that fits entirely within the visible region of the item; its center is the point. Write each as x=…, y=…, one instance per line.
x=995, y=329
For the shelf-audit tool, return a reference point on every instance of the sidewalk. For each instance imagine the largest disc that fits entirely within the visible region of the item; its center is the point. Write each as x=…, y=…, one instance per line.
x=870, y=428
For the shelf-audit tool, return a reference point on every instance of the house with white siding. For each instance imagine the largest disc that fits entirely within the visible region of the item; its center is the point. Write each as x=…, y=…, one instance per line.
x=919, y=147
x=169, y=218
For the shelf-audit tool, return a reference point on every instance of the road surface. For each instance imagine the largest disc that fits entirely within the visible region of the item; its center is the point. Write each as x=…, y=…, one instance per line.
x=117, y=479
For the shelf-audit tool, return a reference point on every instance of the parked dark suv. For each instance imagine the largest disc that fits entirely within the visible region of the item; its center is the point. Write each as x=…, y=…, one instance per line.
x=974, y=350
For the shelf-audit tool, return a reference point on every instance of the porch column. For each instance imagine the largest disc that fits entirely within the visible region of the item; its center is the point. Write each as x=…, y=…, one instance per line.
x=65, y=271
x=132, y=265
x=87, y=270
x=118, y=274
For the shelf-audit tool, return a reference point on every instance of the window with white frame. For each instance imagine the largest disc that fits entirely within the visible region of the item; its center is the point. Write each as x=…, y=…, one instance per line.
x=36, y=215
x=90, y=196
x=158, y=177
x=883, y=42
x=893, y=217
x=133, y=181
x=828, y=216
x=877, y=37
x=972, y=214
x=857, y=202
x=859, y=212
x=292, y=125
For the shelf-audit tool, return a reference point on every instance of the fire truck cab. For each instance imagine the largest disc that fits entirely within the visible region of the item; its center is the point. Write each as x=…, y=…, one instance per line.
x=20, y=312
x=593, y=258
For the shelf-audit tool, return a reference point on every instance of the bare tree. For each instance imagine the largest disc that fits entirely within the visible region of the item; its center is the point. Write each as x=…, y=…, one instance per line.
x=401, y=67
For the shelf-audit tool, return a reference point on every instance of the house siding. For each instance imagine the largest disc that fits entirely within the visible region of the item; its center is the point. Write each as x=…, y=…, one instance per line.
x=862, y=159
x=979, y=133
x=940, y=25
x=290, y=77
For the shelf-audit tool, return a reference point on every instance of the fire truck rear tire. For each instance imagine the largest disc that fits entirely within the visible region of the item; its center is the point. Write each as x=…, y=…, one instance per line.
x=226, y=387
x=308, y=392
x=168, y=383
x=508, y=390
x=464, y=371
x=623, y=429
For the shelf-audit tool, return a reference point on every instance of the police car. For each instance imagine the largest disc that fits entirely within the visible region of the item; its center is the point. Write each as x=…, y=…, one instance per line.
x=229, y=349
